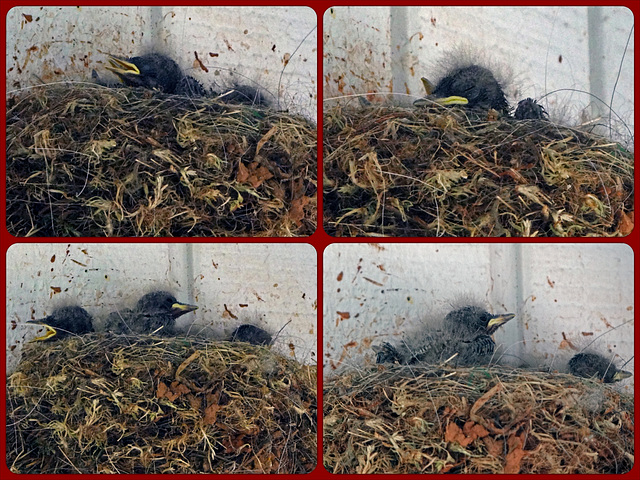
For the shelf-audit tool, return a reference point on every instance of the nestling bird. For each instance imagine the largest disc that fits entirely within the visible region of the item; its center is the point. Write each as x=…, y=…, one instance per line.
x=250, y=334
x=64, y=322
x=465, y=335
x=155, y=312
x=594, y=365
x=529, y=109
x=474, y=86
x=150, y=71
x=439, y=347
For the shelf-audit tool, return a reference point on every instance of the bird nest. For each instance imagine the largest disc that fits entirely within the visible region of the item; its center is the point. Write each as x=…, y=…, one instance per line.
x=391, y=171
x=474, y=420
x=86, y=160
x=124, y=404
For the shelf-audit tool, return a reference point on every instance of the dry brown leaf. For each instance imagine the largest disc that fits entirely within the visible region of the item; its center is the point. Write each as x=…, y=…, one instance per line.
x=626, y=223
x=296, y=213
x=516, y=453
x=210, y=414
x=454, y=433
x=243, y=173
x=494, y=447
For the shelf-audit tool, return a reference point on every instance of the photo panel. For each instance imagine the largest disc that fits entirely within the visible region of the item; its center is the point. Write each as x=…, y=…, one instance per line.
x=161, y=358
x=478, y=121
x=161, y=121
x=478, y=358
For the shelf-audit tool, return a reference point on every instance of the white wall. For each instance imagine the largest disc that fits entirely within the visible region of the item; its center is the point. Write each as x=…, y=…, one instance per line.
x=388, y=49
x=558, y=291
x=264, y=284
x=248, y=44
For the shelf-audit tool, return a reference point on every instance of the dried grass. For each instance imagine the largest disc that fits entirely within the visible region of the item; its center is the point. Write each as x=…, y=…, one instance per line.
x=391, y=171
x=474, y=420
x=85, y=160
x=140, y=404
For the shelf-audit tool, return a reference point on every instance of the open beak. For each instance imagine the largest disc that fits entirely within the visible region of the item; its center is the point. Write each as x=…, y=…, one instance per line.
x=178, y=309
x=49, y=331
x=428, y=86
x=452, y=100
x=499, y=320
x=621, y=375
x=122, y=67
x=429, y=99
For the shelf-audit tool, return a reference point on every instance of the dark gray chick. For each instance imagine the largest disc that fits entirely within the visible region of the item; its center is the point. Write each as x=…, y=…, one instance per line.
x=155, y=312
x=473, y=85
x=594, y=365
x=63, y=322
x=250, y=334
x=465, y=335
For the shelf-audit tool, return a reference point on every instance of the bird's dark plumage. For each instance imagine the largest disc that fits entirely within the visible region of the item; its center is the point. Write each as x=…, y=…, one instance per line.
x=155, y=312
x=440, y=348
x=190, y=87
x=594, y=365
x=150, y=71
x=65, y=321
x=244, y=95
x=250, y=334
x=474, y=86
x=529, y=109
x=465, y=335
x=387, y=353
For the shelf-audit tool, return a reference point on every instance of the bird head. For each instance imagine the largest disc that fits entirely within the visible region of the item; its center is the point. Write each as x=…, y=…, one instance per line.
x=159, y=302
x=251, y=334
x=620, y=375
x=474, y=319
x=149, y=71
x=431, y=98
x=63, y=322
x=386, y=353
x=472, y=85
x=128, y=72
x=596, y=365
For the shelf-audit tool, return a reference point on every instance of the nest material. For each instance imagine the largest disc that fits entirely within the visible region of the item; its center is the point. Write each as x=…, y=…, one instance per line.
x=125, y=404
x=391, y=171
x=477, y=420
x=96, y=161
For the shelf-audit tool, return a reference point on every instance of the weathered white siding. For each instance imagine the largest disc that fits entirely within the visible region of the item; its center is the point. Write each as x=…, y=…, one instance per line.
x=247, y=45
x=388, y=49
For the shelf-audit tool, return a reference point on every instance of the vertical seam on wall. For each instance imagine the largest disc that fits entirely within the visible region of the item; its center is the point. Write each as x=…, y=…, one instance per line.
x=188, y=262
x=398, y=44
x=519, y=293
x=595, y=35
x=155, y=30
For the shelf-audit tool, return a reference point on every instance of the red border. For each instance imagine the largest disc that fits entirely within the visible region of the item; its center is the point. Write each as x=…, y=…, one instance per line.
x=320, y=240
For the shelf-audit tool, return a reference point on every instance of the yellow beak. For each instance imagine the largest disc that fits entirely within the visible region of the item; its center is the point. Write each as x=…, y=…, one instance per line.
x=178, y=309
x=621, y=375
x=452, y=100
x=500, y=320
x=49, y=331
x=122, y=67
x=428, y=86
